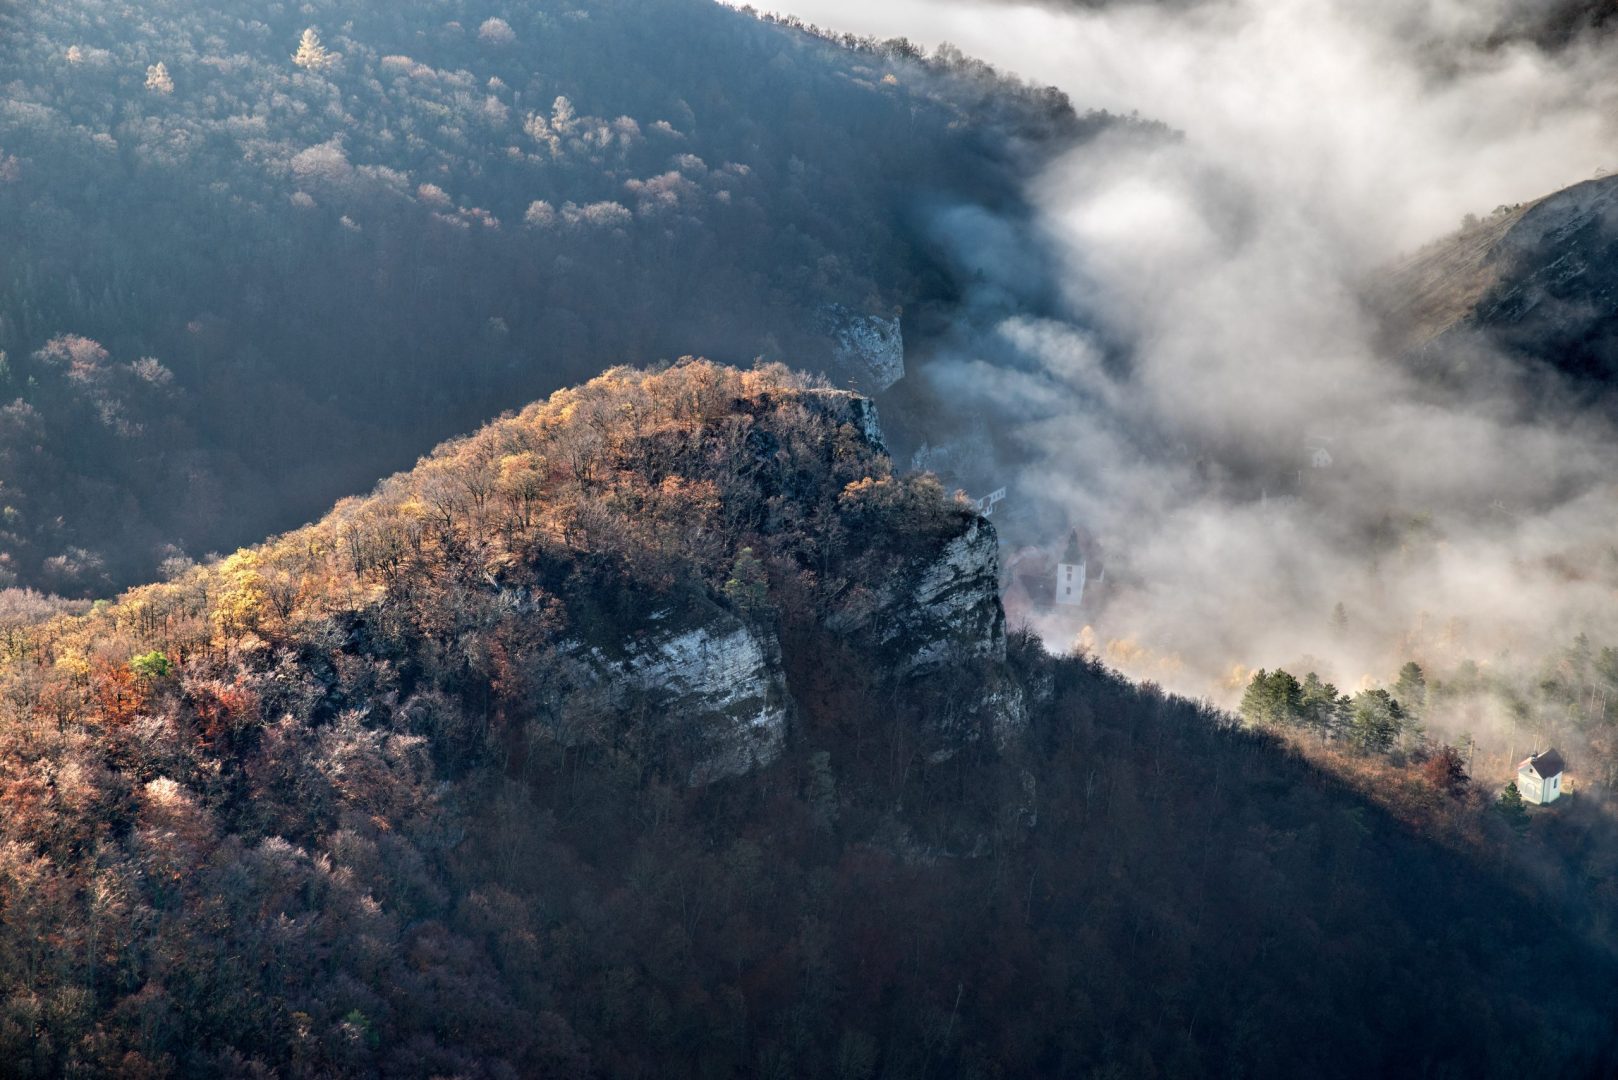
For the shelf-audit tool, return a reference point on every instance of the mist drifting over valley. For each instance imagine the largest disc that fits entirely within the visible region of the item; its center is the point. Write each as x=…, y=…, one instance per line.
x=1219, y=314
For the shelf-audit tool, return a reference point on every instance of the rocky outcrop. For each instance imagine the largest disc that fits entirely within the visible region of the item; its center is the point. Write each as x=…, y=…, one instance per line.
x=940, y=630
x=948, y=619
x=707, y=681
x=710, y=685
x=950, y=609
x=945, y=606
x=847, y=407
x=871, y=348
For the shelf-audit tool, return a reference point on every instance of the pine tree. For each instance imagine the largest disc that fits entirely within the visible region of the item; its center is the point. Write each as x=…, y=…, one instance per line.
x=1375, y=720
x=1511, y=807
x=1321, y=706
x=1411, y=689
x=1273, y=699
x=1580, y=655
x=748, y=585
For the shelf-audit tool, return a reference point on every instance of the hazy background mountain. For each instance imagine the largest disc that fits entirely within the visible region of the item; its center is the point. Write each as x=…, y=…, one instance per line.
x=240, y=276
x=1535, y=282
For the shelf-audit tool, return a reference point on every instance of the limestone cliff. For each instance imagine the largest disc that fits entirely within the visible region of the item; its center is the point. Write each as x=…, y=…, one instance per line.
x=868, y=347
x=847, y=407
x=939, y=630
x=710, y=684
x=946, y=609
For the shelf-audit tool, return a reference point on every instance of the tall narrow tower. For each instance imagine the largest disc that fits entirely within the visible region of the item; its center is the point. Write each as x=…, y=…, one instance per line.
x=1070, y=573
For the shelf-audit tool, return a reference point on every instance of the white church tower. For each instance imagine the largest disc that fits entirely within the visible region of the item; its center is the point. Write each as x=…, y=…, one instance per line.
x=1070, y=573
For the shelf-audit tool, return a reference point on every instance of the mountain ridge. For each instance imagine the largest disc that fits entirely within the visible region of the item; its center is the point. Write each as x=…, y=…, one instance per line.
x=388, y=796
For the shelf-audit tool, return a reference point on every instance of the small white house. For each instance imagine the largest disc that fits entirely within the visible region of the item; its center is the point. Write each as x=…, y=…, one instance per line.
x=1070, y=573
x=1539, y=778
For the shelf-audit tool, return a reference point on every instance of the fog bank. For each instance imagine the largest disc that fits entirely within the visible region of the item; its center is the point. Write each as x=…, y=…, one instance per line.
x=1214, y=333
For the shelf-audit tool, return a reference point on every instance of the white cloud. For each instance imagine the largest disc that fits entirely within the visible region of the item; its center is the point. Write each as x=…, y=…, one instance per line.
x=1227, y=271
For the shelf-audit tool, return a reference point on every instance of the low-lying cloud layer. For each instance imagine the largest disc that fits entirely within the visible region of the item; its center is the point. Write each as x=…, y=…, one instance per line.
x=1213, y=327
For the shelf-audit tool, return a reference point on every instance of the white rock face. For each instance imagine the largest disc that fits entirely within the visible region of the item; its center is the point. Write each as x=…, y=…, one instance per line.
x=870, y=345
x=951, y=609
x=944, y=613
x=718, y=687
x=847, y=407
x=953, y=615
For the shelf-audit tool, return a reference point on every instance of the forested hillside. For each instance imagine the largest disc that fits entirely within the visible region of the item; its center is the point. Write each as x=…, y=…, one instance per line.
x=352, y=803
x=254, y=255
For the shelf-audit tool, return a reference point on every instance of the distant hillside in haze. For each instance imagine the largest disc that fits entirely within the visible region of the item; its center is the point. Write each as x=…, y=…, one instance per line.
x=1556, y=23
x=1535, y=284
x=241, y=272
x=1547, y=23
